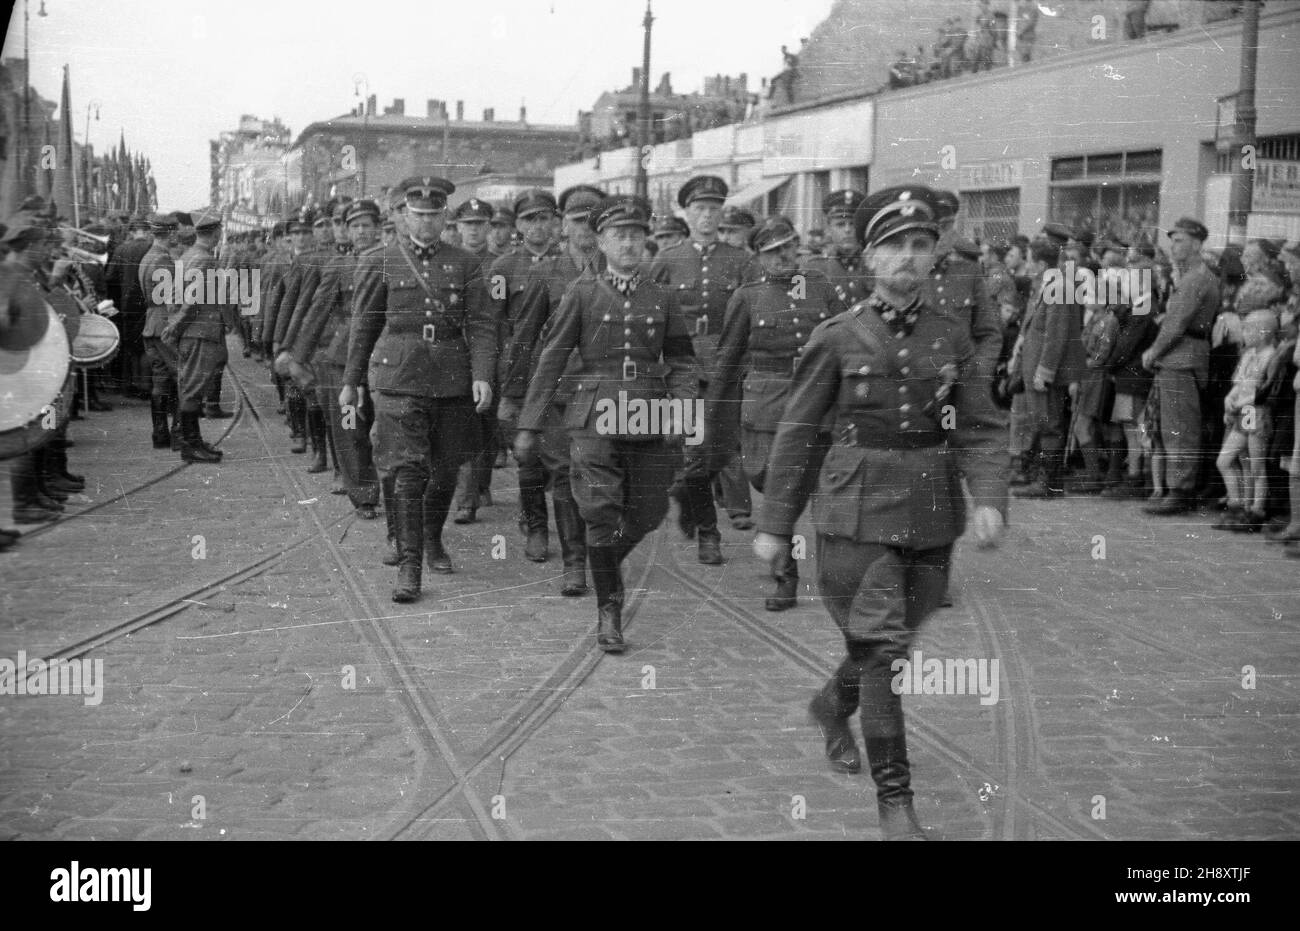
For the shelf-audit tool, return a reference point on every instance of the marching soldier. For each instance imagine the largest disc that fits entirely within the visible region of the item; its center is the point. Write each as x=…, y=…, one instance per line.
x=518, y=285
x=320, y=353
x=845, y=267
x=632, y=340
x=703, y=273
x=768, y=323
x=301, y=243
x=422, y=326
x=198, y=330
x=155, y=278
x=474, y=486
x=888, y=376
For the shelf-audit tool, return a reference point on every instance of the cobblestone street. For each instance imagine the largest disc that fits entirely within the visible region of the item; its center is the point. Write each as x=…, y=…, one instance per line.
x=275, y=691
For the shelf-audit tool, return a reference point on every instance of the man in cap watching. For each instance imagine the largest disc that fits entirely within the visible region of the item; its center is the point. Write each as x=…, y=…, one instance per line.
x=501, y=234
x=889, y=504
x=156, y=276
x=736, y=226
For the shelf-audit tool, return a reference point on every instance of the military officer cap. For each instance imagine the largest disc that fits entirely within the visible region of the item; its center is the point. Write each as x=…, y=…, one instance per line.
x=321, y=219
x=773, y=234
x=277, y=229
x=1057, y=233
x=205, y=218
x=842, y=203
x=183, y=217
x=163, y=222
x=425, y=193
x=947, y=204
x=474, y=211
x=895, y=210
x=737, y=218
x=1111, y=245
x=624, y=210
x=1194, y=228
x=580, y=200
x=671, y=226
x=340, y=208
x=361, y=208
x=702, y=187
x=503, y=216
x=534, y=201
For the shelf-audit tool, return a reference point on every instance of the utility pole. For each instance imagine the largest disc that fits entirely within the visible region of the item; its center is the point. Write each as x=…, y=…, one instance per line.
x=1243, y=135
x=642, y=181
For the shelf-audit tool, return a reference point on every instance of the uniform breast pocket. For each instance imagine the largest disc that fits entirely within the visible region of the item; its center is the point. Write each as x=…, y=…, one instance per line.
x=861, y=381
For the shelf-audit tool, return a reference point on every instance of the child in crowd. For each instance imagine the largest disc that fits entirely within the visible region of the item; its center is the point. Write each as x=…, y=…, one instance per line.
x=1248, y=424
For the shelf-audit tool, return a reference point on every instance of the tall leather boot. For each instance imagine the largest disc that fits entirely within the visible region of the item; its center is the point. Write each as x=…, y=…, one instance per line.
x=532, y=500
x=193, y=448
x=437, y=502
x=25, y=483
x=685, y=516
x=173, y=406
x=297, y=422
x=705, y=514
x=56, y=465
x=410, y=538
x=393, y=557
x=885, y=736
x=831, y=708
x=316, y=429
x=573, y=547
x=786, y=572
x=607, y=578
x=162, y=437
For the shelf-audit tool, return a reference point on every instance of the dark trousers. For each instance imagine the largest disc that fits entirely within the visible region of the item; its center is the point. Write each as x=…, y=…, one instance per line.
x=198, y=360
x=878, y=596
x=351, y=433
x=162, y=367
x=476, y=474
x=1178, y=400
x=621, y=486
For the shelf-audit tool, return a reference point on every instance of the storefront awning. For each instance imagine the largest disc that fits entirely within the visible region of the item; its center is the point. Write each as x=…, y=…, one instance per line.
x=753, y=192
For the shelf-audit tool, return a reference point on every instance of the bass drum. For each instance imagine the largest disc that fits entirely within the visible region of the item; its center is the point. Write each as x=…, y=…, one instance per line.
x=96, y=342
x=37, y=391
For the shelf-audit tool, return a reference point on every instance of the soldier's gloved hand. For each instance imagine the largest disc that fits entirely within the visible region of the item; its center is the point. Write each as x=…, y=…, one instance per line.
x=525, y=447
x=768, y=546
x=988, y=526
x=482, y=396
x=348, y=397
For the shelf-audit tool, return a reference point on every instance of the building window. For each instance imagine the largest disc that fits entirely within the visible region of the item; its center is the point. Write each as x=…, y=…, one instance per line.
x=1116, y=195
x=989, y=216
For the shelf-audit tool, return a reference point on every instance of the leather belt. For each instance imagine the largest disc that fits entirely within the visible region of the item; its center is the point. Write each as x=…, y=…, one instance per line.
x=432, y=333
x=852, y=434
x=773, y=366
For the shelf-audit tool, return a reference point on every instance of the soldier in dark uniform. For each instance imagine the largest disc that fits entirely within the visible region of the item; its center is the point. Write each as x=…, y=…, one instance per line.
x=301, y=245
x=669, y=232
x=736, y=226
x=198, y=330
x=517, y=284
x=422, y=325
x=501, y=235
x=635, y=349
x=122, y=278
x=888, y=377
x=155, y=279
x=704, y=272
x=474, y=486
x=768, y=323
x=321, y=353
x=844, y=267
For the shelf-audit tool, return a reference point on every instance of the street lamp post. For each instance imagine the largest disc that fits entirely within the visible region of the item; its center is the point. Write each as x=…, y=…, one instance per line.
x=642, y=181
x=359, y=81
x=25, y=160
x=90, y=167
x=1244, y=127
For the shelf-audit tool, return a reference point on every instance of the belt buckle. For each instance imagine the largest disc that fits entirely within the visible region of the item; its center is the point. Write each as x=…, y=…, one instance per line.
x=702, y=325
x=629, y=370
x=430, y=333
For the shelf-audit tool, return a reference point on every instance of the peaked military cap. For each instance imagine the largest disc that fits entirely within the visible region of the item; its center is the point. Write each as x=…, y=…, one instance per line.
x=671, y=226
x=702, y=187
x=361, y=208
x=624, y=210
x=474, y=211
x=424, y=193
x=534, y=201
x=895, y=210
x=773, y=234
x=1111, y=245
x=736, y=218
x=503, y=216
x=278, y=229
x=205, y=218
x=1058, y=233
x=339, y=210
x=183, y=217
x=1194, y=228
x=163, y=222
x=580, y=200
x=842, y=203
x=946, y=204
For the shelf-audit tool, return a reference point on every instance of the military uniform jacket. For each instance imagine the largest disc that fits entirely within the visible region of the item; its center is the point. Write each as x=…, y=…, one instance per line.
x=1052, y=346
x=156, y=259
x=122, y=277
x=309, y=292
x=299, y=284
x=274, y=267
x=275, y=297
x=518, y=283
x=563, y=271
x=638, y=345
x=893, y=473
x=204, y=320
x=848, y=275
x=960, y=289
x=766, y=329
x=323, y=334
x=703, y=279
x=1183, y=341
x=425, y=331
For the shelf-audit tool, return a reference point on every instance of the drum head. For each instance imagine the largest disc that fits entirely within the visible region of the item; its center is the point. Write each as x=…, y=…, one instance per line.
x=96, y=340
x=32, y=379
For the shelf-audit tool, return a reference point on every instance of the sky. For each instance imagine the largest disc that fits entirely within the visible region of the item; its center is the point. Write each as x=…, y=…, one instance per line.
x=173, y=74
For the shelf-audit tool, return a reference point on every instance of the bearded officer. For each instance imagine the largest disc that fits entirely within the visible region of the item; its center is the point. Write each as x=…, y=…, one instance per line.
x=704, y=272
x=631, y=337
x=889, y=378
x=768, y=323
x=422, y=325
